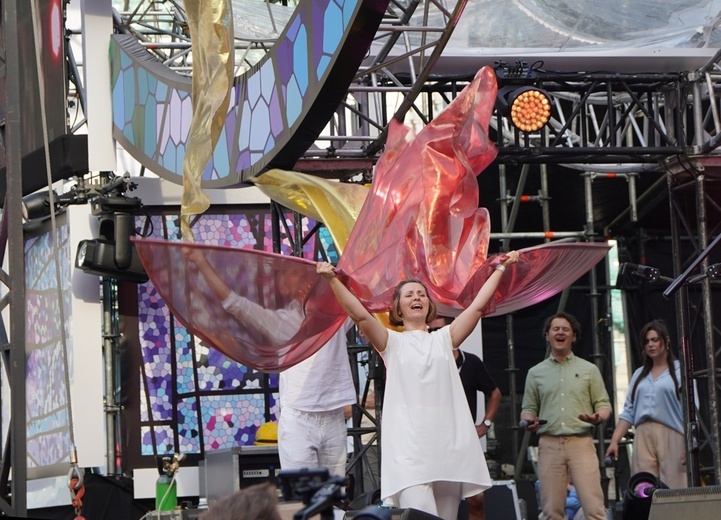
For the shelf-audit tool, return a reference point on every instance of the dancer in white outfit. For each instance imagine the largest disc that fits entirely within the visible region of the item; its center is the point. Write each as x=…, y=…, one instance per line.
x=431, y=457
x=311, y=427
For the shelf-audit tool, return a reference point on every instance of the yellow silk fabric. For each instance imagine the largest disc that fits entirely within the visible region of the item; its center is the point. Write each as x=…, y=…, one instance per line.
x=211, y=29
x=336, y=204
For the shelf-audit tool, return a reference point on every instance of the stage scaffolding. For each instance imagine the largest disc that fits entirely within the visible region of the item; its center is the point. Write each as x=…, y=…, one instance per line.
x=667, y=125
x=621, y=125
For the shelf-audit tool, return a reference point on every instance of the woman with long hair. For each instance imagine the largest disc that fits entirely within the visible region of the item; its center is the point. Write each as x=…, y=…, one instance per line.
x=431, y=457
x=653, y=408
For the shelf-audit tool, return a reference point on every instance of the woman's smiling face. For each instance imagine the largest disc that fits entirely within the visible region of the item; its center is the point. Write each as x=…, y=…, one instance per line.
x=414, y=301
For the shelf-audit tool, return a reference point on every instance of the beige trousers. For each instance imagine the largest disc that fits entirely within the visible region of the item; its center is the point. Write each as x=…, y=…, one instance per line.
x=660, y=451
x=559, y=456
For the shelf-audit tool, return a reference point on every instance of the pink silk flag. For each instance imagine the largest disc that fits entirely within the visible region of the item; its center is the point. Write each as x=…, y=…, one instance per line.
x=420, y=220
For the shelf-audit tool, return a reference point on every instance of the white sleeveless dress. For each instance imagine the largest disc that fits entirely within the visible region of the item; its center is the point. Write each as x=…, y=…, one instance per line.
x=427, y=433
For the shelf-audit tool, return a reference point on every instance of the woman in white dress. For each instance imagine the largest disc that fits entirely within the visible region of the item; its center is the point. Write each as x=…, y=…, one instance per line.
x=431, y=457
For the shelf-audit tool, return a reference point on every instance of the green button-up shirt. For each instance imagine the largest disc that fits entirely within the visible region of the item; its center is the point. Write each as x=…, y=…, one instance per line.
x=559, y=392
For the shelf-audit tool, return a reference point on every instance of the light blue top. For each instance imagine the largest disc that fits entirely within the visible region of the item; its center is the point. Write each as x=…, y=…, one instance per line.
x=656, y=400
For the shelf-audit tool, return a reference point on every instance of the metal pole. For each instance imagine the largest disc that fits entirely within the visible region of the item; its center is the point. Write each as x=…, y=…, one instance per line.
x=594, y=294
x=503, y=189
x=112, y=382
x=512, y=380
x=687, y=375
x=708, y=329
x=16, y=260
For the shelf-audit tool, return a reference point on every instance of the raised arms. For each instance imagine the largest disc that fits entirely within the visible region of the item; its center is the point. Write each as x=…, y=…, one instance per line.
x=467, y=320
x=374, y=330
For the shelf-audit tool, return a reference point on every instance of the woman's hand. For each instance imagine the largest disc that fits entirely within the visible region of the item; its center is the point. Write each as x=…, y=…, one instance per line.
x=511, y=258
x=612, y=450
x=196, y=256
x=325, y=269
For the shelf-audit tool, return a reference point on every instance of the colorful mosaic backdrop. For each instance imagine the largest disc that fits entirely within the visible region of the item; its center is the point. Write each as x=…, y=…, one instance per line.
x=152, y=105
x=193, y=398
x=48, y=428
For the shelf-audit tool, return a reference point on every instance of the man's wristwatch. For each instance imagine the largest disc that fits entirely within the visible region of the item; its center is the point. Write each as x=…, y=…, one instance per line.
x=487, y=423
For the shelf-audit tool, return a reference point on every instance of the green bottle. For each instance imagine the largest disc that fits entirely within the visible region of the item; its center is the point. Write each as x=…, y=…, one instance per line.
x=166, y=490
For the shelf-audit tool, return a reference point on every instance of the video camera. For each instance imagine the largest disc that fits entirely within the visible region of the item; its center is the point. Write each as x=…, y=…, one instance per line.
x=315, y=488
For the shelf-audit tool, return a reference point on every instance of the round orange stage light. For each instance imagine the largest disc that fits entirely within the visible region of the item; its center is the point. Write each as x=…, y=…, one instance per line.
x=530, y=109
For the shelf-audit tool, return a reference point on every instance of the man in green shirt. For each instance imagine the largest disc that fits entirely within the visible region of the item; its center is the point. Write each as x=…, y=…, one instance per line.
x=568, y=394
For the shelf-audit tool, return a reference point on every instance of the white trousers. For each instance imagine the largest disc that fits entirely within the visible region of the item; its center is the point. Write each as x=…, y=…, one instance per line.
x=312, y=440
x=436, y=498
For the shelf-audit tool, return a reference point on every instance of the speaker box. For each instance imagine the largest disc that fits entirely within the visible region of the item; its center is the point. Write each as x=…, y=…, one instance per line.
x=527, y=495
x=501, y=501
x=225, y=471
x=698, y=503
x=374, y=512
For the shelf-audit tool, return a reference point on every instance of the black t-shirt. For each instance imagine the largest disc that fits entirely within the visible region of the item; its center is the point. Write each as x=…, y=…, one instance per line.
x=475, y=378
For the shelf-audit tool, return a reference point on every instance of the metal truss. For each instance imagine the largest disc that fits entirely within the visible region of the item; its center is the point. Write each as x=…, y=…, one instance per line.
x=630, y=120
x=696, y=184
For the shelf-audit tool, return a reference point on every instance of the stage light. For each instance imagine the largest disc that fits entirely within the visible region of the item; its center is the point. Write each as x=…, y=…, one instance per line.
x=529, y=108
x=639, y=494
x=99, y=257
x=714, y=271
x=112, y=254
x=37, y=205
x=646, y=272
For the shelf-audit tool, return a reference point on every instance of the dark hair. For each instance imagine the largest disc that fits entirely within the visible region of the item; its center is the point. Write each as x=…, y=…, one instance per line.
x=257, y=502
x=575, y=326
x=660, y=328
x=394, y=316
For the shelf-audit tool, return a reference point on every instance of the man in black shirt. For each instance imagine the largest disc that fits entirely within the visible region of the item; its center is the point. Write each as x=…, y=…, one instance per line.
x=474, y=378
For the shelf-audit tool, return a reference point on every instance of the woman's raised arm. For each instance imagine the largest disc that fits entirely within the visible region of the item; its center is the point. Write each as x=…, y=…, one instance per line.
x=467, y=320
x=374, y=330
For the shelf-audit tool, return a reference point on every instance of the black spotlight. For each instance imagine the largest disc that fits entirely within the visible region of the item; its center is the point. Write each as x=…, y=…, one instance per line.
x=639, y=493
x=98, y=257
x=112, y=255
x=714, y=271
x=37, y=205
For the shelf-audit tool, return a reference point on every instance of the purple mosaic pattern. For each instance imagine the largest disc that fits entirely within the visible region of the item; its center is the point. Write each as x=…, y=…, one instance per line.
x=229, y=423
x=163, y=440
x=47, y=422
x=180, y=371
x=48, y=449
x=188, y=425
x=184, y=374
x=144, y=417
x=286, y=247
x=154, y=332
x=218, y=372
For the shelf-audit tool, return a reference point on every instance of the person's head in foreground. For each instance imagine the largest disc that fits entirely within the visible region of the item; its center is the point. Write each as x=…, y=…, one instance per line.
x=258, y=502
